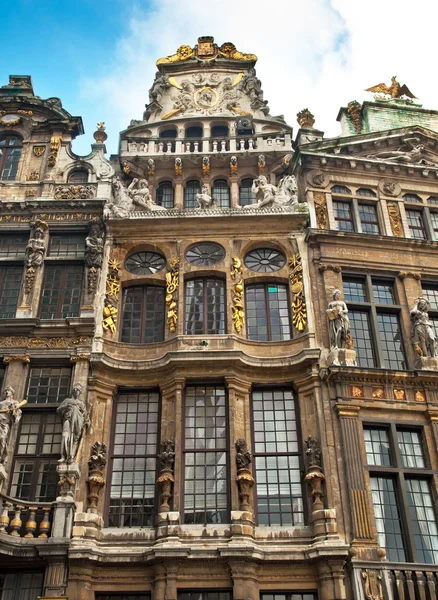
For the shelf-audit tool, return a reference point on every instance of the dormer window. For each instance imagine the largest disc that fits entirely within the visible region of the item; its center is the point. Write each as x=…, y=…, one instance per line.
x=78, y=176
x=10, y=152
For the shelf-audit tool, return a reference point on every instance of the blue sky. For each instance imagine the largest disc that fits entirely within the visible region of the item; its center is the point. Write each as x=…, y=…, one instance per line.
x=99, y=56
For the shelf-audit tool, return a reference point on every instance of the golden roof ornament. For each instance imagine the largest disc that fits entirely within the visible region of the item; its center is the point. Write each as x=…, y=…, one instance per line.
x=206, y=49
x=395, y=90
x=99, y=135
x=305, y=119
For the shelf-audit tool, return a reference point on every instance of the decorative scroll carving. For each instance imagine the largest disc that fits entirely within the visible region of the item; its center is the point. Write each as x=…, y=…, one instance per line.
x=74, y=192
x=244, y=478
x=325, y=267
x=238, y=310
x=166, y=478
x=178, y=166
x=49, y=342
x=55, y=144
x=10, y=413
x=395, y=219
x=172, y=283
x=299, y=310
x=96, y=479
x=233, y=165
x=305, y=119
x=23, y=358
x=73, y=413
x=320, y=203
x=354, y=111
x=423, y=334
x=315, y=476
x=372, y=584
x=206, y=50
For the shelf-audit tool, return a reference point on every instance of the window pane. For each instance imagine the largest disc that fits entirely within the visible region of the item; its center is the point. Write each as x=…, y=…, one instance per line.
x=205, y=306
x=132, y=492
x=416, y=225
x=277, y=463
x=165, y=194
x=361, y=331
x=13, y=245
x=143, y=315
x=204, y=595
x=431, y=293
x=434, y=221
x=340, y=189
x=288, y=596
x=221, y=193
x=10, y=281
x=67, y=245
x=192, y=188
x=368, y=218
x=343, y=217
x=383, y=292
x=422, y=513
x=391, y=341
x=354, y=290
x=411, y=450
x=24, y=585
x=205, y=457
x=246, y=196
x=265, y=260
x=61, y=291
x=48, y=385
x=78, y=177
x=377, y=447
x=10, y=157
x=267, y=312
x=389, y=527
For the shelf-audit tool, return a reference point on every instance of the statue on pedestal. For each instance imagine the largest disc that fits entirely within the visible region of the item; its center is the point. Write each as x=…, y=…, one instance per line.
x=73, y=413
x=423, y=334
x=10, y=413
x=339, y=323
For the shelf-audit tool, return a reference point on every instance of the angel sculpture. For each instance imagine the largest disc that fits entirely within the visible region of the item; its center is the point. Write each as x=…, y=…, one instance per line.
x=395, y=90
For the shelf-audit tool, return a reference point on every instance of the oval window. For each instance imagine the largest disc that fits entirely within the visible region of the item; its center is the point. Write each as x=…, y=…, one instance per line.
x=265, y=260
x=205, y=254
x=145, y=263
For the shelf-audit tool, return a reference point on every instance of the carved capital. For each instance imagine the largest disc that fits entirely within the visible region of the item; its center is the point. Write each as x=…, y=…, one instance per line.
x=325, y=267
x=348, y=410
x=23, y=358
x=413, y=274
x=74, y=358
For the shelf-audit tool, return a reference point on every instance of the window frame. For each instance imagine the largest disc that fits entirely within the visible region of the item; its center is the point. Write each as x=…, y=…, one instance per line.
x=205, y=278
x=162, y=187
x=64, y=275
x=5, y=266
x=356, y=201
x=143, y=313
x=251, y=199
x=400, y=473
x=6, y=150
x=266, y=283
x=219, y=199
x=188, y=188
x=374, y=308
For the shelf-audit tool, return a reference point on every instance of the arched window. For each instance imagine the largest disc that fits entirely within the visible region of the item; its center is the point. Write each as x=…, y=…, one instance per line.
x=366, y=192
x=192, y=188
x=340, y=189
x=221, y=193
x=78, y=176
x=205, y=306
x=246, y=196
x=165, y=194
x=267, y=312
x=194, y=132
x=10, y=152
x=143, y=314
x=168, y=134
x=412, y=198
x=220, y=131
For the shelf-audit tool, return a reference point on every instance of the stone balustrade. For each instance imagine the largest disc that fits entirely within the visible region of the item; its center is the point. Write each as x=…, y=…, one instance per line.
x=25, y=519
x=415, y=582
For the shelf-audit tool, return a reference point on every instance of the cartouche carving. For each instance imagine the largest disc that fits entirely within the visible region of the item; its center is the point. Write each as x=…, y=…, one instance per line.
x=96, y=479
x=395, y=219
x=320, y=202
x=55, y=144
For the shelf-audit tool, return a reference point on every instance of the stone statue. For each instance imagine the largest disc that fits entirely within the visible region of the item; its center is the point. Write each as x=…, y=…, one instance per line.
x=126, y=200
x=339, y=323
x=73, y=414
x=141, y=195
x=265, y=192
x=252, y=86
x=10, y=413
x=313, y=452
x=410, y=152
x=243, y=455
x=36, y=246
x=167, y=454
x=423, y=334
x=287, y=191
x=204, y=199
x=132, y=146
x=94, y=246
x=160, y=85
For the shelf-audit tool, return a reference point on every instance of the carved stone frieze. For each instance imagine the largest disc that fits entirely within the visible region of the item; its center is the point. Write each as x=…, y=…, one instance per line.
x=23, y=358
x=74, y=358
x=413, y=274
x=48, y=217
x=74, y=192
x=237, y=308
x=325, y=267
x=49, y=342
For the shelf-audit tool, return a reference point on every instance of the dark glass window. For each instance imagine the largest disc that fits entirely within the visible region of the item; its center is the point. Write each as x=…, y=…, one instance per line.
x=368, y=218
x=67, y=245
x=221, y=193
x=288, y=596
x=205, y=306
x=62, y=289
x=434, y=223
x=219, y=131
x=145, y=263
x=265, y=260
x=433, y=200
x=205, y=455
x=123, y=596
x=246, y=196
x=48, y=385
x=23, y=585
x=416, y=224
x=277, y=458
x=374, y=322
x=13, y=245
x=10, y=286
x=10, y=152
x=267, y=312
x=340, y=189
x=143, y=314
x=205, y=254
x=78, y=176
x=343, y=215
x=205, y=595
x=412, y=198
x=165, y=194
x=134, y=462
x=194, y=132
x=400, y=483
x=36, y=457
x=192, y=188
x=366, y=192
x=169, y=134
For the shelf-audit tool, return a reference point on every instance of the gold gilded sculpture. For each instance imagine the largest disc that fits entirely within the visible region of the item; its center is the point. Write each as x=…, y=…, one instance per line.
x=206, y=49
x=237, y=308
x=395, y=90
x=299, y=310
x=229, y=50
x=110, y=311
x=172, y=283
x=305, y=119
x=183, y=53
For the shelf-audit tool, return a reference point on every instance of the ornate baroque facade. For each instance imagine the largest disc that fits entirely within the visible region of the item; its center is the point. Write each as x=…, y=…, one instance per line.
x=220, y=368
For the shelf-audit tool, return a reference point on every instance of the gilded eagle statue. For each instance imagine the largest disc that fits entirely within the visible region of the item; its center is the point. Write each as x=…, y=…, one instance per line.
x=395, y=90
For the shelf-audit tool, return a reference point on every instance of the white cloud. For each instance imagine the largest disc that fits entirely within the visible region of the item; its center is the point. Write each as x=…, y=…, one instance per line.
x=318, y=54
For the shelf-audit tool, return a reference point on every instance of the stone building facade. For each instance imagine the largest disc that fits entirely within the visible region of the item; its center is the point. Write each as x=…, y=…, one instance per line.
x=225, y=339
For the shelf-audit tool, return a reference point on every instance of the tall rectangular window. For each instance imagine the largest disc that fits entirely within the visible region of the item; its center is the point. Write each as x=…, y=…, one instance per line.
x=62, y=289
x=374, y=322
x=277, y=458
x=22, y=585
x=134, y=462
x=204, y=595
x=343, y=215
x=416, y=224
x=267, y=312
x=205, y=306
x=400, y=481
x=48, y=385
x=143, y=314
x=205, y=455
x=368, y=218
x=13, y=245
x=10, y=286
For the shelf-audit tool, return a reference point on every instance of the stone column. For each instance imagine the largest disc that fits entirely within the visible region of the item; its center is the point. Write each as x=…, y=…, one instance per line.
x=331, y=580
x=55, y=577
x=159, y=582
x=351, y=436
x=432, y=415
x=245, y=580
